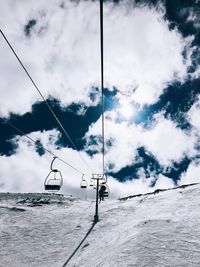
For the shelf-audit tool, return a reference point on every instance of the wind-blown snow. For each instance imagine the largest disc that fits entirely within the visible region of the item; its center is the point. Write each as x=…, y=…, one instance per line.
x=152, y=230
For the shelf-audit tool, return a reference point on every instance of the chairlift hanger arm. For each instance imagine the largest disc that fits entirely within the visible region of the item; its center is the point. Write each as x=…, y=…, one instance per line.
x=51, y=167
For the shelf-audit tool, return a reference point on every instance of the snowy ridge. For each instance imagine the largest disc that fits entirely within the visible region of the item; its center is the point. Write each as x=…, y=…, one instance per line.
x=157, y=191
x=40, y=198
x=150, y=230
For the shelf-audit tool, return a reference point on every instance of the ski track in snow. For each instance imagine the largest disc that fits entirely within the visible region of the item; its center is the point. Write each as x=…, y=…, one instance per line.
x=161, y=230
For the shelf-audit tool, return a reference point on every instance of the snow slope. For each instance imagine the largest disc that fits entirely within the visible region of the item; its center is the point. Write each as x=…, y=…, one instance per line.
x=152, y=230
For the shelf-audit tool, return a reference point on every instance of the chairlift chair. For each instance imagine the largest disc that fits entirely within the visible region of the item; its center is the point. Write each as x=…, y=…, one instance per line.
x=91, y=183
x=54, y=180
x=105, y=189
x=83, y=183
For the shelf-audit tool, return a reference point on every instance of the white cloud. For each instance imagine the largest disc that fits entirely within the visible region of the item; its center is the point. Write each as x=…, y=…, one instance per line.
x=196, y=74
x=194, y=17
x=128, y=188
x=26, y=171
x=194, y=115
x=62, y=53
x=167, y=142
x=125, y=139
x=142, y=56
x=164, y=140
x=163, y=182
x=192, y=175
x=138, y=186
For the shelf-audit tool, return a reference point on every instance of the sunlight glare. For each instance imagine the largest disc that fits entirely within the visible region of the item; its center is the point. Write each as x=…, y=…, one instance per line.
x=126, y=110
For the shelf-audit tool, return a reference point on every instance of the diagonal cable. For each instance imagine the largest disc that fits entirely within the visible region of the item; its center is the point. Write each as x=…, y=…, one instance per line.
x=49, y=107
x=47, y=150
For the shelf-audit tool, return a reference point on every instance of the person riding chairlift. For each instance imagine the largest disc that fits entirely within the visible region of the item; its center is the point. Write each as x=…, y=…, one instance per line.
x=101, y=192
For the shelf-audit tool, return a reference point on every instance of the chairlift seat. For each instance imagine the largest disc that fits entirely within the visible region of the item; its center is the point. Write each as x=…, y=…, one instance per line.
x=52, y=187
x=105, y=194
x=54, y=180
x=91, y=183
x=83, y=184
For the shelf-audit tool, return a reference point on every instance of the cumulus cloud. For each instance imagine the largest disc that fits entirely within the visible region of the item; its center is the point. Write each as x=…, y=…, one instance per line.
x=25, y=171
x=138, y=186
x=137, y=59
x=192, y=175
x=62, y=51
x=164, y=140
x=194, y=115
x=163, y=182
x=59, y=44
x=194, y=17
x=167, y=142
x=124, y=139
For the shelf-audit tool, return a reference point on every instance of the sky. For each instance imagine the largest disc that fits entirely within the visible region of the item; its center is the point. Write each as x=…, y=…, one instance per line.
x=151, y=94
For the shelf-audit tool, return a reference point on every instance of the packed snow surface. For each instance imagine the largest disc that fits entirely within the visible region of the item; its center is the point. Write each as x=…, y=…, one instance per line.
x=153, y=230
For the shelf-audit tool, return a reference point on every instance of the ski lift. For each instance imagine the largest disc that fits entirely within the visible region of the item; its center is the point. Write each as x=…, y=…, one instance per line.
x=83, y=183
x=54, y=180
x=102, y=181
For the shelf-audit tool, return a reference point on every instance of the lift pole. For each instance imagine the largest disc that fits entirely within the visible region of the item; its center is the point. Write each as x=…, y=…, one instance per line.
x=96, y=216
x=97, y=177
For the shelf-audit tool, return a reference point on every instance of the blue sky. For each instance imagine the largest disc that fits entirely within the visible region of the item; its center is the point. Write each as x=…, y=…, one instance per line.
x=152, y=88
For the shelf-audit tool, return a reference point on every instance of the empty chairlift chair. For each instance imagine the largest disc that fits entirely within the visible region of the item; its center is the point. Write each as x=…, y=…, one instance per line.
x=83, y=183
x=91, y=183
x=54, y=180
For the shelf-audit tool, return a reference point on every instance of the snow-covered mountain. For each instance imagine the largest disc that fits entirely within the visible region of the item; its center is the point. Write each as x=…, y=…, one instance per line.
x=43, y=230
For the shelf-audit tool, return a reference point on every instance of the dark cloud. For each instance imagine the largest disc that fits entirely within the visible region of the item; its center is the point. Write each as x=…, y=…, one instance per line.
x=29, y=27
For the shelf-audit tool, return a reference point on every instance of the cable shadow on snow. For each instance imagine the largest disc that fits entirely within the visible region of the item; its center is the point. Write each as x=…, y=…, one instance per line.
x=77, y=248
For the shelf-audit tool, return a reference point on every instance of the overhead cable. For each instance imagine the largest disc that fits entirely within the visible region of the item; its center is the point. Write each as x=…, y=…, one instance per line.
x=39, y=91
x=47, y=150
x=102, y=83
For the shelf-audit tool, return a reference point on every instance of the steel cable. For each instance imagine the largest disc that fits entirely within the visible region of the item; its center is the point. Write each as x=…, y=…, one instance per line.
x=47, y=150
x=38, y=90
